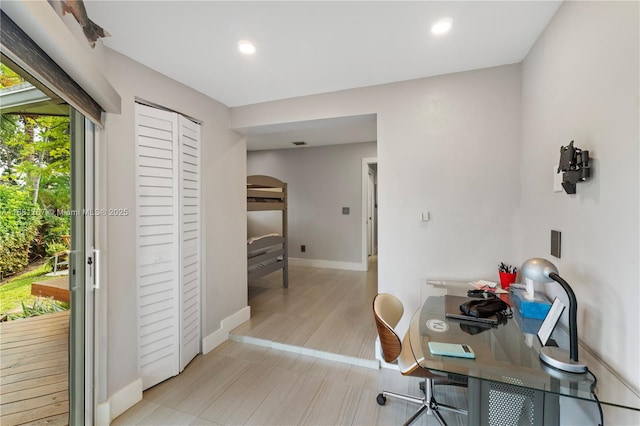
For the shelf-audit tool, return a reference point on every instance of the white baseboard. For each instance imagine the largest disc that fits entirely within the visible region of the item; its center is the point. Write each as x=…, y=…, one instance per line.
x=216, y=338
x=329, y=264
x=118, y=403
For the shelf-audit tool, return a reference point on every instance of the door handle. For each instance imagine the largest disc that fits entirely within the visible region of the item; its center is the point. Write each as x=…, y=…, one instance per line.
x=96, y=269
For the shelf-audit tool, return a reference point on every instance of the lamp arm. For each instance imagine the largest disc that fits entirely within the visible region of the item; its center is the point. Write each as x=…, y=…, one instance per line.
x=573, y=315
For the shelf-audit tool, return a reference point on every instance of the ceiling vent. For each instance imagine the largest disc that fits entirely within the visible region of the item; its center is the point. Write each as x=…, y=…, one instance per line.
x=299, y=143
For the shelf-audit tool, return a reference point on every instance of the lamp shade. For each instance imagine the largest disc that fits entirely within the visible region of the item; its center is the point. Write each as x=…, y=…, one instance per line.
x=538, y=270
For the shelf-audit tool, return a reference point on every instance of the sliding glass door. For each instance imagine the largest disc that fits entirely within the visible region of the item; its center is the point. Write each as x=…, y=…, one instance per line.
x=82, y=273
x=53, y=93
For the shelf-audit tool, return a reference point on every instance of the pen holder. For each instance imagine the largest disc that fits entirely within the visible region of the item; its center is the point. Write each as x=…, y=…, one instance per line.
x=506, y=279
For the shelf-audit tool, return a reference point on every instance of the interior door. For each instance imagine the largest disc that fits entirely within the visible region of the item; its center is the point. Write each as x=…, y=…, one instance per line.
x=190, y=269
x=157, y=215
x=168, y=242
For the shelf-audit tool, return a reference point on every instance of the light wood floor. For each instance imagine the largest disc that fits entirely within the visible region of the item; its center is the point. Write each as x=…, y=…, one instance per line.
x=324, y=310
x=34, y=360
x=240, y=383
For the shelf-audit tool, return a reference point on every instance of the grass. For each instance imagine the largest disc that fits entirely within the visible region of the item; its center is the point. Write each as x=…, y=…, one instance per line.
x=39, y=307
x=18, y=290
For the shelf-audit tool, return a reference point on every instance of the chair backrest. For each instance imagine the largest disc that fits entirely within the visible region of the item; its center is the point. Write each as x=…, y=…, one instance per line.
x=387, y=311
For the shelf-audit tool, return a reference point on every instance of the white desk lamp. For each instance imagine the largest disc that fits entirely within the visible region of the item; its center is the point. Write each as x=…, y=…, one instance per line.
x=543, y=271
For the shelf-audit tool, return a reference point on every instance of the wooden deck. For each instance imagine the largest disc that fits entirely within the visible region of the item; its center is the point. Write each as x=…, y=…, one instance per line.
x=34, y=370
x=57, y=288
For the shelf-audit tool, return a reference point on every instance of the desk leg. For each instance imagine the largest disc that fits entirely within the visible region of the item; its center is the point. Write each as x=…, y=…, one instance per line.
x=474, y=402
x=493, y=403
x=551, y=409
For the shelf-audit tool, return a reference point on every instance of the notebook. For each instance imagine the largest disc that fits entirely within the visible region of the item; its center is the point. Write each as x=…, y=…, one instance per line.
x=452, y=310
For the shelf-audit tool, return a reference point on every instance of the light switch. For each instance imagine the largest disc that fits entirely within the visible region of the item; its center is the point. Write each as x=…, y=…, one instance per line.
x=424, y=216
x=345, y=210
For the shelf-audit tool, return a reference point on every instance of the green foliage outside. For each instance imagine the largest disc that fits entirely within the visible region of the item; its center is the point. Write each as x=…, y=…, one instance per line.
x=18, y=289
x=34, y=184
x=37, y=308
x=18, y=228
x=9, y=78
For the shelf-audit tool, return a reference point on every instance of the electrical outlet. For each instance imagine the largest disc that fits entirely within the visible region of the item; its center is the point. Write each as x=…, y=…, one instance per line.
x=303, y=248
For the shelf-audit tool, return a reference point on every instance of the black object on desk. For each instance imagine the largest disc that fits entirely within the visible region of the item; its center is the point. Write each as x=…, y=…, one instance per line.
x=485, y=308
x=452, y=310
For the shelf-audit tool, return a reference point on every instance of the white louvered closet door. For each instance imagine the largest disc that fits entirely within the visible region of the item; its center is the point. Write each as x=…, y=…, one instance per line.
x=163, y=265
x=190, y=239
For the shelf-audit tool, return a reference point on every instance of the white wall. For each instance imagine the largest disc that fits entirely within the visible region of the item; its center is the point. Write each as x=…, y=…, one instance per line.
x=223, y=193
x=320, y=180
x=581, y=82
x=449, y=145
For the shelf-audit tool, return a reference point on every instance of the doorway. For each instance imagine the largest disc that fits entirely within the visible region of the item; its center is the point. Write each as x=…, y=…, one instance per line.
x=369, y=210
x=372, y=210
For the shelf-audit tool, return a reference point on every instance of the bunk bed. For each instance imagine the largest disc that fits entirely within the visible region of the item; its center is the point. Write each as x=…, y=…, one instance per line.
x=268, y=253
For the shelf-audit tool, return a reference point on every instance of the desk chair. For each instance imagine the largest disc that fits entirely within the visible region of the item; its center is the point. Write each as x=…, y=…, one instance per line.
x=387, y=311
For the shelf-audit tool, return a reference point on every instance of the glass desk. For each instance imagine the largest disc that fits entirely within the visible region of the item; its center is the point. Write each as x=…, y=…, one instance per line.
x=507, y=371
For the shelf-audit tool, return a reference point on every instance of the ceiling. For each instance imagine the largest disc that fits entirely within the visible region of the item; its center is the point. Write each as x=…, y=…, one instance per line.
x=310, y=47
x=330, y=131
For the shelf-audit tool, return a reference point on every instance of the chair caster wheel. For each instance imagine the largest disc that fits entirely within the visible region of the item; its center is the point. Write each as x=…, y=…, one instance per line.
x=381, y=399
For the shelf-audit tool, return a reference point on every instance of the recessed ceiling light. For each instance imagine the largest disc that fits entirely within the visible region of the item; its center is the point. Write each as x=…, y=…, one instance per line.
x=246, y=47
x=442, y=26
